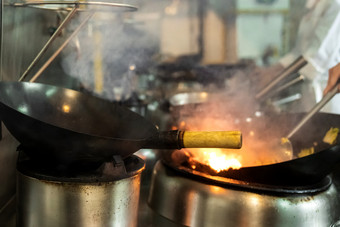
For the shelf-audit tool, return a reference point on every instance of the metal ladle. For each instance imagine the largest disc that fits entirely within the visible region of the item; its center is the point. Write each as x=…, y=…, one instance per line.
x=285, y=141
x=292, y=68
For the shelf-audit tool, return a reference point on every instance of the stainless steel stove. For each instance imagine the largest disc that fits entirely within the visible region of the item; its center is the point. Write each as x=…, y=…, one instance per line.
x=180, y=200
x=105, y=194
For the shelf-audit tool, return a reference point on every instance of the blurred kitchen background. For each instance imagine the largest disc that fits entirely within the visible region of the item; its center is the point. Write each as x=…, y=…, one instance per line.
x=143, y=58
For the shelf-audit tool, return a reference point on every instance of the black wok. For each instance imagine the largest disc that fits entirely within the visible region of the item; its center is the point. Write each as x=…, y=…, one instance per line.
x=50, y=123
x=53, y=123
x=307, y=170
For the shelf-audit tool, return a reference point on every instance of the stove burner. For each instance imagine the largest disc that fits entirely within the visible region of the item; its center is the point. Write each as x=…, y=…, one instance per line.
x=204, y=174
x=87, y=172
x=102, y=194
x=251, y=186
x=176, y=195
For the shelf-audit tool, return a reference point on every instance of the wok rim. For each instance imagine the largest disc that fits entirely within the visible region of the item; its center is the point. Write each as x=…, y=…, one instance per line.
x=83, y=95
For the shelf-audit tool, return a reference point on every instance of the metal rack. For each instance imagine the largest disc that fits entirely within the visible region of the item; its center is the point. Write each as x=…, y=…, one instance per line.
x=89, y=7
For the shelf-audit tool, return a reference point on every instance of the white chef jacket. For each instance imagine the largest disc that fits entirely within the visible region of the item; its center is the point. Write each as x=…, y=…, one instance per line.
x=318, y=41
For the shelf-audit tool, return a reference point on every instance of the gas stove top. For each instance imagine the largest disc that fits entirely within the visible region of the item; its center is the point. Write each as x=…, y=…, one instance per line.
x=187, y=201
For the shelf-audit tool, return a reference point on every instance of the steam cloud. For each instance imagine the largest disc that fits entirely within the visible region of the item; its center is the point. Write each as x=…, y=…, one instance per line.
x=235, y=108
x=106, y=53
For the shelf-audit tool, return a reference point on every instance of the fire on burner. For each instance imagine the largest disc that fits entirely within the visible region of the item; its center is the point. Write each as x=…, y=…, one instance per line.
x=259, y=162
x=211, y=161
x=255, y=150
x=216, y=159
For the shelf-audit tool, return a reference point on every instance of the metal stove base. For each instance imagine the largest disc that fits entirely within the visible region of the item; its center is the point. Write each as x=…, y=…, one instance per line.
x=191, y=203
x=95, y=198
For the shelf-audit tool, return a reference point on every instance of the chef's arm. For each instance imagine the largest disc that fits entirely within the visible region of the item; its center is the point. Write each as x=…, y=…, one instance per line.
x=333, y=78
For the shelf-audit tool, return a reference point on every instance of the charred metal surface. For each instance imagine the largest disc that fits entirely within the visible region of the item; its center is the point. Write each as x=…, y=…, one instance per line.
x=88, y=172
x=189, y=201
x=103, y=196
x=204, y=174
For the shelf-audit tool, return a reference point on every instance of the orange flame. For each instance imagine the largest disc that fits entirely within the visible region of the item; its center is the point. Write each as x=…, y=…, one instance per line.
x=217, y=159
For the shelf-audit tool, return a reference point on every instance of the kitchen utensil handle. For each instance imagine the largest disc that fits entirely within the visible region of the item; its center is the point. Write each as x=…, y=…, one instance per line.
x=300, y=78
x=292, y=68
x=195, y=139
x=62, y=46
x=314, y=110
x=49, y=42
x=212, y=139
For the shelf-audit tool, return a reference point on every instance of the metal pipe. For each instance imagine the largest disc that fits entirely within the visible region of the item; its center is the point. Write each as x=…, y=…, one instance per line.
x=296, y=80
x=288, y=99
x=1, y=10
x=116, y=7
x=314, y=110
x=9, y=202
x=201, y=13
x=49, y=42
x=57, y=52
x=292, y=68
x=1, y=44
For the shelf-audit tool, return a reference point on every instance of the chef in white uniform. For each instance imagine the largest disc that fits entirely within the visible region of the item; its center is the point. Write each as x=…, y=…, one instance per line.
x=318, y=41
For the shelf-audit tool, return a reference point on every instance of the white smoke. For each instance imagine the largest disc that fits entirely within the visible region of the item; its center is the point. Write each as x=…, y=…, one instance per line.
x=107, y=52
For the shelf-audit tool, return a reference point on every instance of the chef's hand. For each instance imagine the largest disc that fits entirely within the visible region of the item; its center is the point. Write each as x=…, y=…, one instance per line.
x=333, y=77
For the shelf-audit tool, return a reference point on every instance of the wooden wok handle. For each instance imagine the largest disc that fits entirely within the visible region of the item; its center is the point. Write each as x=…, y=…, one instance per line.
x=195, y=139
x=214, y=139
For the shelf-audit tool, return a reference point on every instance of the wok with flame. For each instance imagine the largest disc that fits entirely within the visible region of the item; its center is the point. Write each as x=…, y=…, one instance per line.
x=59, y=125
x=258, y=162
